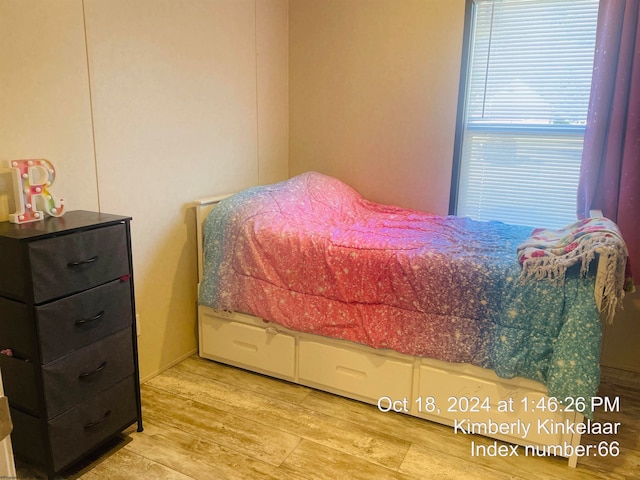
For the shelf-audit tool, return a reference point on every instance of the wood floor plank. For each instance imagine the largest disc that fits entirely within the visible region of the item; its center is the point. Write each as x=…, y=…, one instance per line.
x=423, y=462
x=354, y=438
x=251, y=382
x=197, y=458
x=252, y=438
x=537, y=467
x=318, y=462
x=399, y=425
x=125, y=465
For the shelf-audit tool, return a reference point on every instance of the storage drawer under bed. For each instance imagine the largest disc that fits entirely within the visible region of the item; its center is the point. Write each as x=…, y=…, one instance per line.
x=264, y=349
x=364, y=374
x=461, y=397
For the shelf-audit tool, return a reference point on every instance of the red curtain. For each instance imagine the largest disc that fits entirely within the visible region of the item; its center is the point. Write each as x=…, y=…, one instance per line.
x=610, y=173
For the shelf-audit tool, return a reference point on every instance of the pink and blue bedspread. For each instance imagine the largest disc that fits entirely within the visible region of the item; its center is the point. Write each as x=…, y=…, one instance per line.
x=312, y=255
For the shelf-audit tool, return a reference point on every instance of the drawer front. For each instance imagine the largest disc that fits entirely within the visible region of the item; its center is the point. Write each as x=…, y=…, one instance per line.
x=460, y=397
x=86, y=426
x=12, y=260
x=26, y=436
x=19, y=381
x=16, y=329
x=72, y=263
x=245, y=345
x=74, y=322
x=74, y=378
x=366, y=375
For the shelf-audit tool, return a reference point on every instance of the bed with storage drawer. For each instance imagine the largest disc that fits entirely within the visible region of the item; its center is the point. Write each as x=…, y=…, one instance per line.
x=431, y=316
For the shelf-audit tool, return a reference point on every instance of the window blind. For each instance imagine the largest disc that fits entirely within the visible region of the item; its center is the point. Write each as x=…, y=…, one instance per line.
x=526, y=101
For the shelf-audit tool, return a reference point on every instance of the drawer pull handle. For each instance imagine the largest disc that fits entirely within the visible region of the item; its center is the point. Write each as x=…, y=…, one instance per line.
x=79, y=263
x=86, y=375
x=104, y=418
x=84, y=321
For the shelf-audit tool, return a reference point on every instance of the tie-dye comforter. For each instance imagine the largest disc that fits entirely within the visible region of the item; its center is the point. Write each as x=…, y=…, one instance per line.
x=312, y=255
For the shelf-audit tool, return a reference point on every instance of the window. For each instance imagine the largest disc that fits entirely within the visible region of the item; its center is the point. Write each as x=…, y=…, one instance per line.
x=524, y=99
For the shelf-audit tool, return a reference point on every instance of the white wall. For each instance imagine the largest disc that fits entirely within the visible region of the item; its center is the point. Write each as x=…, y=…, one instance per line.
x=373, y=95
x=44, y=94
x=622, y=338
x=154, y=104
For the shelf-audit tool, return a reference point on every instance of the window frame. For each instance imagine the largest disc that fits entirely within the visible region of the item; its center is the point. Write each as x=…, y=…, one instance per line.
x=460, y=113
x=461, y=121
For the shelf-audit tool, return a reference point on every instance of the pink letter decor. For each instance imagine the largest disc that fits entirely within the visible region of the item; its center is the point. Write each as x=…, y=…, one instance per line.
x=32, y=180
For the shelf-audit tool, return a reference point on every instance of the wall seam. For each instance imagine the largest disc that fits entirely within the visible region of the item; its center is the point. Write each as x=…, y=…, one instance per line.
x=91, y=112
x=255, y=46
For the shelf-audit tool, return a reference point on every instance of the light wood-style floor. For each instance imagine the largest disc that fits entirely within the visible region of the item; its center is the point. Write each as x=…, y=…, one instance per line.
x=207, y=421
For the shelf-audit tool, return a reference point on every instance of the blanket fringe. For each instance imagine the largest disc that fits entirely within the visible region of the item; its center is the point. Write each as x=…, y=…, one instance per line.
x=613, y=254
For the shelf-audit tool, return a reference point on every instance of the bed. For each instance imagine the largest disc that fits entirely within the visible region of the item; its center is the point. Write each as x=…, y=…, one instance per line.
x=431, y=316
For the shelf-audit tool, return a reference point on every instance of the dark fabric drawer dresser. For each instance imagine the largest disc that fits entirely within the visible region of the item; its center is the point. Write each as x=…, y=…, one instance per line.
x=67, y=327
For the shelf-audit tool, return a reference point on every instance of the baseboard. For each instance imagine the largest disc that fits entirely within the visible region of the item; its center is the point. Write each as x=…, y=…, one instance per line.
x=619, y=376
x=167, y=367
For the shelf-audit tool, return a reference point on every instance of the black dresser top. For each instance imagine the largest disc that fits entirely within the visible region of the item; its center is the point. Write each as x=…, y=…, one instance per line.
x=69, y=222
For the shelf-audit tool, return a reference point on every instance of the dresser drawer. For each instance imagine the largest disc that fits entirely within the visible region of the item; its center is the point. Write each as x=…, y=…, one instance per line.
x=17, y=332
x=19, y=381
x=91, y=423
x=80, y=429
x=26, y=437
x=71, y=263
x=74, y=378
x=79, y=320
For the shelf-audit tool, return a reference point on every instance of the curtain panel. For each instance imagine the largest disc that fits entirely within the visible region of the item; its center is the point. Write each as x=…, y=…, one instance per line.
x=610, y=171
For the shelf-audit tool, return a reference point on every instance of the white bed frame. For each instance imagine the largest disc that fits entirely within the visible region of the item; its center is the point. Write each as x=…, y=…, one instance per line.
x=416, y=386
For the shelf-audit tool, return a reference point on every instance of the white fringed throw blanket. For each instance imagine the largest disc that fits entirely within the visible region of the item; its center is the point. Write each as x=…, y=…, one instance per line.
x=547, y=254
